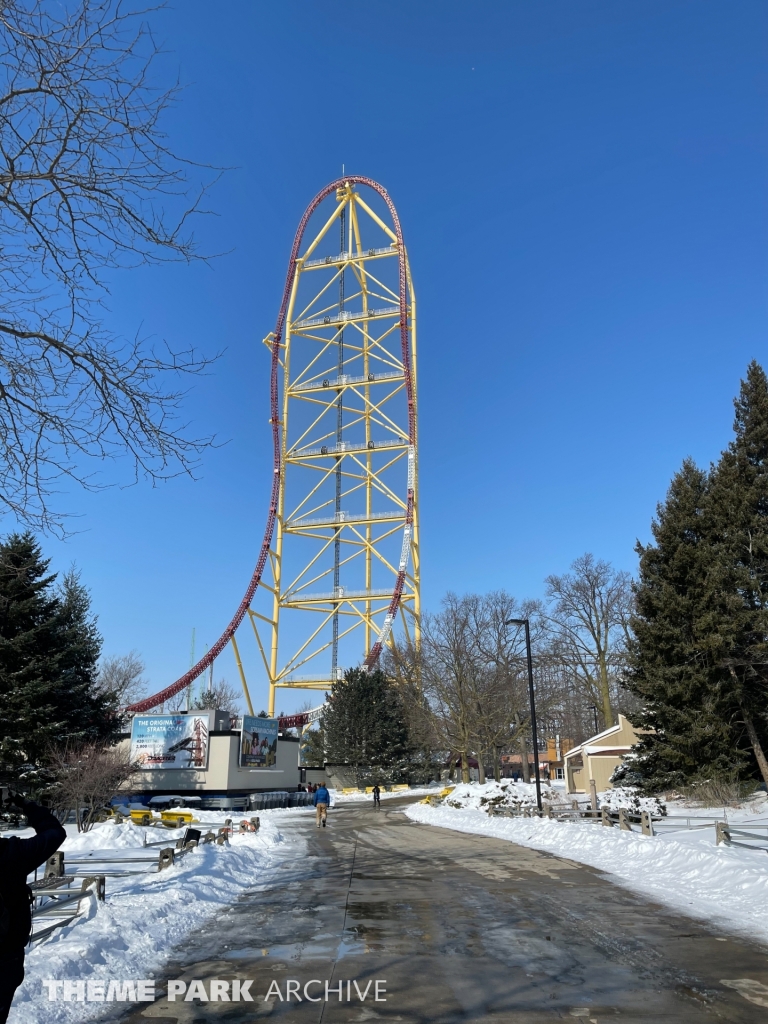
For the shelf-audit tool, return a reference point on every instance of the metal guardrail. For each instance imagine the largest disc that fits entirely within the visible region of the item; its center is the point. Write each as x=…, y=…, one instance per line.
x=339, y=594
x=54, y=893
x=345, y=448
x=341, y=518
x=345, y=257
x=650, y=825
x=725, y=834
x=345, y=316
x=51, y=897
x=346, y=380
x=669, y=822
x=276, y=801
x=625, y=819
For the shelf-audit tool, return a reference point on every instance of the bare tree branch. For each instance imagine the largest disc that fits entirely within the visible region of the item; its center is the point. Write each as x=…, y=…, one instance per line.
x=87, y=776
x=590, y=612
x=88, y=185
x=123, y=677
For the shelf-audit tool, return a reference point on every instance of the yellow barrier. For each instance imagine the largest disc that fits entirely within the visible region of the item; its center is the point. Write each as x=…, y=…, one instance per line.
x=349, y=789
x=400, y=788
x=177, y=817
x=445, y=792
x=141, y=817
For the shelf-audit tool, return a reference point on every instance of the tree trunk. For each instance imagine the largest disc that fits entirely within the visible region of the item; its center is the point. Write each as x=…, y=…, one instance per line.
x=464, y=767
x=754, y=739
x=605, y=693
x=524, y=757
x=481, y=766
x=496, y=764
x=762, y=763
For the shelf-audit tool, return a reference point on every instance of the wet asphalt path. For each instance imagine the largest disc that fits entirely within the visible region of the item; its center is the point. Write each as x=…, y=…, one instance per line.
x=460, y=928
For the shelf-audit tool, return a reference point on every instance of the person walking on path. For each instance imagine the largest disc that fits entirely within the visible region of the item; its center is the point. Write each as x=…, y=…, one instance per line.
x=322, y=799
x=377, y=796
x=18, y=858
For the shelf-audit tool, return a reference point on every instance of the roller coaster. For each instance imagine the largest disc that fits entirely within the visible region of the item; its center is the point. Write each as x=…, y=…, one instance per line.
x=339, y=562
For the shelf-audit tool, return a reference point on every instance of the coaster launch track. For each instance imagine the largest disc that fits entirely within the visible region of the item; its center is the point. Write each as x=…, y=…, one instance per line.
x=342, y=186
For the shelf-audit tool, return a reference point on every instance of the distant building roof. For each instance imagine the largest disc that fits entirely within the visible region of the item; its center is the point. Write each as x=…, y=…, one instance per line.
x=600, y=745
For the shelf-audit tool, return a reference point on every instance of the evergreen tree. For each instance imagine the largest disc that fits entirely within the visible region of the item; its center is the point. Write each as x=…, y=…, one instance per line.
x=699, y=660
x=685, y=716
x=739, y=524
x=49, y=647
x=365, y=727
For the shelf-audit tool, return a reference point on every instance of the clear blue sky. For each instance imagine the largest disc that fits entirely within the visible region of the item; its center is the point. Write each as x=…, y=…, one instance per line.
x=582, y=189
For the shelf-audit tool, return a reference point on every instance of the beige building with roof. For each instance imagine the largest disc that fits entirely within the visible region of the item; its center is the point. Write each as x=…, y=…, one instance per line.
x=598, y=757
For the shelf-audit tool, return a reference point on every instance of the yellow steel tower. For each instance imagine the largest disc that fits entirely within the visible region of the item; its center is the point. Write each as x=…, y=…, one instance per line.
x=340, y=558
x=344, y=561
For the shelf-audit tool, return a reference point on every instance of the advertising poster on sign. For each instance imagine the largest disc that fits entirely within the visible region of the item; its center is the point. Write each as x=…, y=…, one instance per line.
x=170, y=741
x=258, y=742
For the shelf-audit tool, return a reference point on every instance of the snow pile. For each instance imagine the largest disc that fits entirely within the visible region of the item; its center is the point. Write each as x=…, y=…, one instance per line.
x=505, y=794
x=144, y=916
x=686, y=870
x=516, y=796
x=110, y=836
x=628, y=798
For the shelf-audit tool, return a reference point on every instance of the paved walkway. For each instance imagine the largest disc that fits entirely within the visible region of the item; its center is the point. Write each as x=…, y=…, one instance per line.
x=460, y=929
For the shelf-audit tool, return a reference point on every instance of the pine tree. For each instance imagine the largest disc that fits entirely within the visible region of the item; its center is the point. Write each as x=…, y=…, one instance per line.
x=686, y=712
x=365, y=727
x=739, y=514
x=49, y=647
x=79, y=642
x=700, y=654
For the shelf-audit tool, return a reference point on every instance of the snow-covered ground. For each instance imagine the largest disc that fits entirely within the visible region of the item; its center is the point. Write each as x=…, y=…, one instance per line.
x=685, y=870
x=145, y=915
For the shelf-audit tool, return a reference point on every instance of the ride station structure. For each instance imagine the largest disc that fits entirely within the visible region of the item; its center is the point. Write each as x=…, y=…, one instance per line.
x=339, y=562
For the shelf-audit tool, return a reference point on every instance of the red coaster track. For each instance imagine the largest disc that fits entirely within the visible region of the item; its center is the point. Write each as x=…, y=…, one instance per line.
x=373, y=655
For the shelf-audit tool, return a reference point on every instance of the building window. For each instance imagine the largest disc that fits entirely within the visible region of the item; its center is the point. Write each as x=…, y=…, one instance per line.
x=559, y=773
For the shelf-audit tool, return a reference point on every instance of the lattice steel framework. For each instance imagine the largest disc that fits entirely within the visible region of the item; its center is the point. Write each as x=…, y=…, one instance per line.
x=340, y=557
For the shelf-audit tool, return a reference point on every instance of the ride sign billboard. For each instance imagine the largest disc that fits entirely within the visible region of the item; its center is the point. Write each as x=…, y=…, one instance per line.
x=258, y=742
x=170, y=741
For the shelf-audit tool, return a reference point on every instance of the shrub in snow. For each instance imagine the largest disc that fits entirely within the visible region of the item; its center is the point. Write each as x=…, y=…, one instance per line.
x=719, y=791
x=629, y=798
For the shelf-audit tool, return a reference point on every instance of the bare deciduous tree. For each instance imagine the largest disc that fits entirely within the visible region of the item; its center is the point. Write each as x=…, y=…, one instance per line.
x=504, y=715
x=123, y=677
x=88, y=185
x=220, y=696
x=474, y=676
x=403, y=663
x=589, y=616
x=451, y=669
x=87, y=776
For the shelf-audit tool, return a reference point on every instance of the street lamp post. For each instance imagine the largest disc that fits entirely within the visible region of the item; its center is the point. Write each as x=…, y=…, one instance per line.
x=526, y=623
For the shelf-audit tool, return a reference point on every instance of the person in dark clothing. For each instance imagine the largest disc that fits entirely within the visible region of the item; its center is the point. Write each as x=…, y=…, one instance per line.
x=19, y=857
x=377, y=796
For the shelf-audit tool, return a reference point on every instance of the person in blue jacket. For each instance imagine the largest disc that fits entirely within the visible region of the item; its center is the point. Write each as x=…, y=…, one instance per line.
x=18, y=858
x=322, y=800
